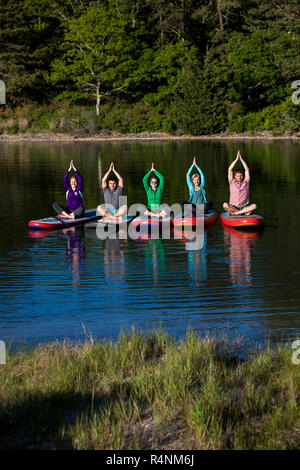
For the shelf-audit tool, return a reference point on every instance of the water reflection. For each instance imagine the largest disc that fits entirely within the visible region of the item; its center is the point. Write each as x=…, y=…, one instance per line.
x=150, y=279
x=75, y=251
x=197, y=258
x=155, y=259
x=240, y=245
x=197, y=264
x=114, y=258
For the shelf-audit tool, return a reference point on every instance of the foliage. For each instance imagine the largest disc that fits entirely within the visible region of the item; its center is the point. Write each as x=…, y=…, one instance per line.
x=26, y=51
x=199, y=107
x=196, y=66
x=97, y=54
x=138, y=117
x=254, y=74
x=279, y=118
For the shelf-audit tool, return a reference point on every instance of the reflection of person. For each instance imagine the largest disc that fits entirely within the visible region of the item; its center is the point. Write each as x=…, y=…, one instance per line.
x=155, y=257
x=154, y=190
x=75, y=250
x=114, y=259
x=73, y=188
x=112, y=190
x=239, y=189
x=197, y=263
x=196, y=184
x=240, y=245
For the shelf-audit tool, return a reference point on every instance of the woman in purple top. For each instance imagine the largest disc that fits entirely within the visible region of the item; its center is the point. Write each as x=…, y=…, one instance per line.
x=73, y=188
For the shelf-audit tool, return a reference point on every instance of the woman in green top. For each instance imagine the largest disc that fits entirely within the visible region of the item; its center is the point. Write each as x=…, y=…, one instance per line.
x=154, y=190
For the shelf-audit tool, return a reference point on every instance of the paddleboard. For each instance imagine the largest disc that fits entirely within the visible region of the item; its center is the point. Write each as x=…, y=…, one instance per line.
x=54, y=223
x=189, y=221
x=143, y=221
x=242, y=221
x=111, y=223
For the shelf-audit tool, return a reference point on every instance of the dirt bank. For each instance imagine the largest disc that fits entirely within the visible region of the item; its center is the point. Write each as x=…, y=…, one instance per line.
x=57, y=137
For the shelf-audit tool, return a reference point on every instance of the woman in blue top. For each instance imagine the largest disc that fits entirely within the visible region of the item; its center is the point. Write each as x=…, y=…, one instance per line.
x=196, y=184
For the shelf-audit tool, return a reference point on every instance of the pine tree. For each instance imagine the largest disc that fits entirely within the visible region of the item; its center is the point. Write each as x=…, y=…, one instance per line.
x=26, y=46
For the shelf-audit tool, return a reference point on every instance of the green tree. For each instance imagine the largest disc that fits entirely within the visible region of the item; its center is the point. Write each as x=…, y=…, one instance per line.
x=278, y=16
x=98, y=49
x=27, y=44
x=255, y=75
x=159, y=72
x=199, y=106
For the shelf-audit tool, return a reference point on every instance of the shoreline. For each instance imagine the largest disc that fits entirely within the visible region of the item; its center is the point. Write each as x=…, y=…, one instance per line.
x=155, y=136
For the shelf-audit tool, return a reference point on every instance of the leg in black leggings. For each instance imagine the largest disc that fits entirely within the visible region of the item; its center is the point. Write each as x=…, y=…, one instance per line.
x=77, y=212
x=59, y=209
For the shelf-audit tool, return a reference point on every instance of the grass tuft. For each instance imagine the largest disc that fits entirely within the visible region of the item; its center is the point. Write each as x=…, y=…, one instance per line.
x=148, y=391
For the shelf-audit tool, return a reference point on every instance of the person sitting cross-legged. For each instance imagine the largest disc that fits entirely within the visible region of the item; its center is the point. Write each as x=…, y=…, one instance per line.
x=239, y=190
x=112, y=187
x=74, y=203
x=154, y=184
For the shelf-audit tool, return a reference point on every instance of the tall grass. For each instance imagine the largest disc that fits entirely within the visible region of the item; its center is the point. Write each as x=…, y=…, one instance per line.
x=149, y=392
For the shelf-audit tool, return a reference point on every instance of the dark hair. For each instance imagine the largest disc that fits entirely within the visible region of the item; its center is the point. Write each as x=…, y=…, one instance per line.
x=238, y=171
x=112, y=178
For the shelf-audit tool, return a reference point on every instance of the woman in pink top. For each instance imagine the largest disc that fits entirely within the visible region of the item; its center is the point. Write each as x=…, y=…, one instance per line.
x=239, y=190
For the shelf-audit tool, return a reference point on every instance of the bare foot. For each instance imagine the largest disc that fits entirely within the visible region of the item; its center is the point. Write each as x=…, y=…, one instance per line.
x=232, y=211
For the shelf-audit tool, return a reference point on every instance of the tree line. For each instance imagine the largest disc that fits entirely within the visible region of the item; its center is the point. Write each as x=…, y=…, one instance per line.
x=182, y=66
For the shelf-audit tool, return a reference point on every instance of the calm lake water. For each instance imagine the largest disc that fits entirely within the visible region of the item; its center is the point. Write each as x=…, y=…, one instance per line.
x=69, y=283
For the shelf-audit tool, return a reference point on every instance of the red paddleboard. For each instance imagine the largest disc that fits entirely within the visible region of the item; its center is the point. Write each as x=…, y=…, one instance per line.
x=143, y=221
x=242, y=221
x=190, y=221
x=54, y=223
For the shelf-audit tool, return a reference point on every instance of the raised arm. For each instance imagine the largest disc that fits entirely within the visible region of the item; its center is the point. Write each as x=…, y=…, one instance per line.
x=79, y=177
x=66, y=181
x=161, y=178
x=246, y=168
x=104, y=179
x=202, y=179
x=188, y=175
x=145, y=180
x=230, y=169
x=120, y=179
